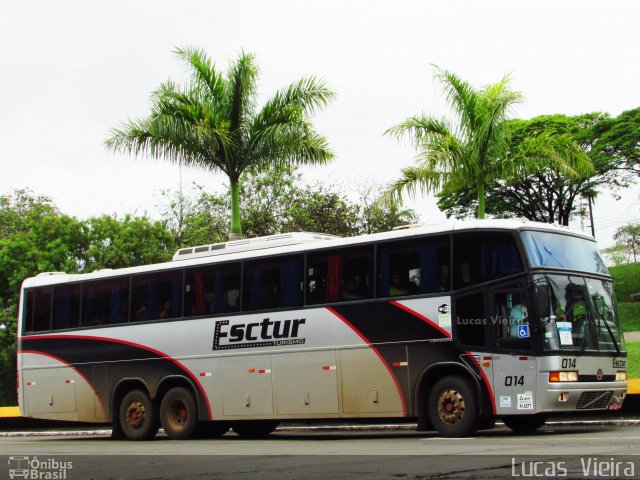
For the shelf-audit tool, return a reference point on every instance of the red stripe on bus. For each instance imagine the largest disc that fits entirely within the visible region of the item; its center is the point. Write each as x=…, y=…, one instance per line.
x=384, y=362
x=136, y=345
x=421, y=317
x=486, y=381
x=58, y=359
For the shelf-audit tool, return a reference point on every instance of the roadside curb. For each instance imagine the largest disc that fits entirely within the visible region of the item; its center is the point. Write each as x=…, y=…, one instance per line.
x=329, y=428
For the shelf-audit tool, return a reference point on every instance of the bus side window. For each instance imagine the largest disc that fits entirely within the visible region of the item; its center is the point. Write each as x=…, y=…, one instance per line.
x=511, y=321
x=273, y=283
x=105, y=302
x=27, y=321
x=156, y=296
x=211, y=290
x=413, y=267
x=66, y=306
x=483, y=256
x=342, y=275
x=42, y=309
x=470, y=320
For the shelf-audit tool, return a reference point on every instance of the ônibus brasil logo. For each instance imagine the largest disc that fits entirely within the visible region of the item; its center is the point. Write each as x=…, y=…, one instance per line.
x=38, y=469
x=266, y=333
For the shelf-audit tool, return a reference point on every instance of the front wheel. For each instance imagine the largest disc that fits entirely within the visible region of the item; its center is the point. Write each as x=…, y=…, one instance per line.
x=138, y=416
x=453, y=407
x=178, y=414
x=524, y=423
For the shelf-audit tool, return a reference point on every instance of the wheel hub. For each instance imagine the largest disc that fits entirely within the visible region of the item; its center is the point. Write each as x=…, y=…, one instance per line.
x=136, y=415
x=179, y=414
x=450, y=406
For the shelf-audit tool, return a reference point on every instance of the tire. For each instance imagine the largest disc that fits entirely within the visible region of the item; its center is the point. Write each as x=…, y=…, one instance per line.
x=178, y=413
x=255, y=429
x=524, y=423
x=138, y=416
x=453, y=407
x=211, y=429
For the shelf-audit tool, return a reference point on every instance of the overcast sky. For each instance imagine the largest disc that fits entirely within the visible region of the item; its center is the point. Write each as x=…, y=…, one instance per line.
x=71, y=70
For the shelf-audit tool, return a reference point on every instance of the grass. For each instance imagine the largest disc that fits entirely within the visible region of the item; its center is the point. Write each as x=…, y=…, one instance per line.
x=633, y=360
x=626, y=280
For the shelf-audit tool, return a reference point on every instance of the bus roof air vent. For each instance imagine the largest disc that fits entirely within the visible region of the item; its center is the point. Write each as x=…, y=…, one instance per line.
x=247, y=244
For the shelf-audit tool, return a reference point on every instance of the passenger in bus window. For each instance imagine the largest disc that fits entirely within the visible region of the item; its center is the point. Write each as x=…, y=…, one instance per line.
x=141, y=313
x=166, y=310
x=352, y=290
x=396, y=287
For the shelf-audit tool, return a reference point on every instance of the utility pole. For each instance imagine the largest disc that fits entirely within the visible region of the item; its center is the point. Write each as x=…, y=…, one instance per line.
x=593, y=228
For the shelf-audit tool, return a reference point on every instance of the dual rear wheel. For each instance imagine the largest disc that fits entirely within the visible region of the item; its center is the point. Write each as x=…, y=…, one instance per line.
x=140, y=418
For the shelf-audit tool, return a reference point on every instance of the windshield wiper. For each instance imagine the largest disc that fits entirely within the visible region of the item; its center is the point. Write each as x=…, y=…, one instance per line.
x=606, y=324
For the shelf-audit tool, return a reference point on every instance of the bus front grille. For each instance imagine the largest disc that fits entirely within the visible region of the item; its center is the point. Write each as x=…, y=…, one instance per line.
x=599, y=399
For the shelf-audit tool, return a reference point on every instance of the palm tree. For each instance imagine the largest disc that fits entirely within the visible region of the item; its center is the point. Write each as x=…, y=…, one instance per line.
x=213, y=122
x=473, y=150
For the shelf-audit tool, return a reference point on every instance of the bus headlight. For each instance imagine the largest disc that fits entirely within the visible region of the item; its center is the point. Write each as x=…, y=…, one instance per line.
x=621, y=376
x=563, y=376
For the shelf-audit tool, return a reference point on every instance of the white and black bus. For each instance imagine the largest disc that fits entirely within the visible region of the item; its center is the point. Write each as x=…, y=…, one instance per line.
x=451, y=326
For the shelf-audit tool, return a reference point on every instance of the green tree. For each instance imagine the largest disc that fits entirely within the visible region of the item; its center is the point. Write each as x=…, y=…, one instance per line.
x=213, y=122
x=126, y=242
x=276, y=200
x=619, y=138
x=468, y=152
x=547, y=193
x=628, y=236
x=34, y=237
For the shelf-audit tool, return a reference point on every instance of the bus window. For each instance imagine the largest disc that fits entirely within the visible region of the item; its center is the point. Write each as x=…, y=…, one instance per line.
x=156, y=296
x=483, y=256
x=470, y=321
x=272, y=283
x=105, y=302
x=413, y=267
x=211, y=290
x=342, y=275
x=42, y=309
x=66, y=306
x=511, y=319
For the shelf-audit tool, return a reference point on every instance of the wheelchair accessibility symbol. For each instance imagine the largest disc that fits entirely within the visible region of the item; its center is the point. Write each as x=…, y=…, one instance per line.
x=523, y=331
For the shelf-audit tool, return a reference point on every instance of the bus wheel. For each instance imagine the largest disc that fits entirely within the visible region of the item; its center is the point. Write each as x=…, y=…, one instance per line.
x=178, y=414
x=255, y=429
x=453, y=407
x=524, y=423
x=138, y=416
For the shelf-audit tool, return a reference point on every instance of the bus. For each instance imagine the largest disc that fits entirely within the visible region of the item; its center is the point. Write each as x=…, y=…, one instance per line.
x=451, y=326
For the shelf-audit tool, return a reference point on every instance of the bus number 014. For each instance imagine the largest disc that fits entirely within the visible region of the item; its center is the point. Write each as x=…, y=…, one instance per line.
x=512, y=380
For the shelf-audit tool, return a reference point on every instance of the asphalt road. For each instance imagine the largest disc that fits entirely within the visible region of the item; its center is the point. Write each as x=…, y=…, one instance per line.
x=372, y=454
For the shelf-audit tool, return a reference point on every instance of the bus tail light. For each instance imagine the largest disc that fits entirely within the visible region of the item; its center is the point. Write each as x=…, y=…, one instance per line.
x=621, y=376
x=563, y=377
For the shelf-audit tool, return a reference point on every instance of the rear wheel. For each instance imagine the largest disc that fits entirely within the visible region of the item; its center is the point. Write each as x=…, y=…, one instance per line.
x=255, y=429
x=453, y=407
x=524, y=423
x=138, y=416
x=178, y=414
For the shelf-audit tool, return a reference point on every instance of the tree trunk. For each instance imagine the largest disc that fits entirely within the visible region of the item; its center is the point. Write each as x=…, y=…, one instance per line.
x=481, y=200
x=236, y=225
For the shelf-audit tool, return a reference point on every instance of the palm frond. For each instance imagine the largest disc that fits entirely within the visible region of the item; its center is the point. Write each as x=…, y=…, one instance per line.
x=203, y=70
x=242, y=78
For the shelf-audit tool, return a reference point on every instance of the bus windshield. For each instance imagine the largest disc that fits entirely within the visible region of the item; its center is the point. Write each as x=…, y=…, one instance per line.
x=578, y=314
x=557, y=250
